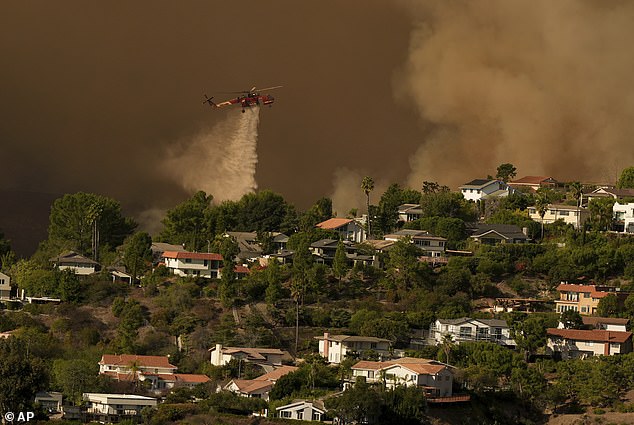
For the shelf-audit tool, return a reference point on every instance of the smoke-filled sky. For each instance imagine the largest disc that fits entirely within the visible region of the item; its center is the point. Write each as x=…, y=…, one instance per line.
x=106, y=97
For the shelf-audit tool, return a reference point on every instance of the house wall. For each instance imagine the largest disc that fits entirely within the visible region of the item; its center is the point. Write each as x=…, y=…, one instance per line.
x=583, y=302
x=437, y=330
x=569, y=216
x=126, y=369
x=625, y=213
x=79, y=269
x=443, y=382
x=304, y=412
x=195, y=267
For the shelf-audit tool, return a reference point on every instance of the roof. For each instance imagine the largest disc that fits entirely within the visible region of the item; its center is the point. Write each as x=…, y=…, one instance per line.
x=477, y=183
x=596, y=335
x=593, y=321
x=118, y=396
x=334, y=223
x=507, y=231
x=72, y=257
x=618, y=193
x=128, y=359
x=192, y=255
x=252, y=353
x=414, y=208
x=241, y=269
x=249, y=386
x=419, y=366
x=531, y=180
x=350, y=338
x=181, y=377
x=276, y=374
x=379, y=243
x=569, y=287
x=323, y=243
x=489, y=322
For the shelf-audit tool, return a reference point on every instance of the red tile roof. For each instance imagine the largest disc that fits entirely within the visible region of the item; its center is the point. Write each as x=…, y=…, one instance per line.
x=242, y=269
x=276, y=374
x=249, y=386
x=596, y=335
x=575, y=288
x=143, y=361
x=334, y=223
x=192, y=255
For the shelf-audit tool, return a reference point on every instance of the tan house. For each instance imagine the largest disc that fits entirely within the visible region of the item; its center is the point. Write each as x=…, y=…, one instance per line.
x=583, y=298
x=433, y=376
x=5, y=286
x=533, y=182
x=581, y=343
x=258, y=387
x=335, y=348
x=77, y=263
x=265, y=357
x=433, y=246
x=568, y=213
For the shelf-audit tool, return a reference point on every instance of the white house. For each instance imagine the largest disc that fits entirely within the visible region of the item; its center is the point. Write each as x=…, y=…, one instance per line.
x=302, y=410
x=433, y=376
x=493, y=234
x=335, y=348
x=112, y=364
x=467, y=329
x=114, y=407
x=5, y=286
x=569, y=214
x=624, y=217
x=348, y=228
x=78, y=263
x=184, y=263
x=479, y=189
x=582, y=343
x=433, y=246
x=409, y=212
x=271, y=357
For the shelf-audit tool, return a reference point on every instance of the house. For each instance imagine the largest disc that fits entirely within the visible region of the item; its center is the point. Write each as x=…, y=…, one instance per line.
x=609, y=193
x=156, y=370
x=50, y=401
x=434, y=377
x=198, y=264
x=569, y=214
x=258, y=387
x=479, y=189
x=126, y=364
x=467, y=329
x=348, y=229
x=251, y=248
x=605, y=323
x=265, y=357
x=433, y=246
x=108, y=408
x=493, y=234
x=302, y=410
x=335, y=348
x=584, y=298
x=119, y=274
x=78, y=263
x=623, y=217
x=5, y=286
x=324, y=251
x=533, y=183
x=582, y=343
x=409, y=212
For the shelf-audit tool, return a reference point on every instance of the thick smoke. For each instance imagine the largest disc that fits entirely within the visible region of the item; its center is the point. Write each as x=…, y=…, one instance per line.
x=220, y=161
x=547, y=86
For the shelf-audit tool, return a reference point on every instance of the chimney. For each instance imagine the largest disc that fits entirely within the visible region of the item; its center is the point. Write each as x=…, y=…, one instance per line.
x=326, y=345
x=216, y=356
x=525, y=231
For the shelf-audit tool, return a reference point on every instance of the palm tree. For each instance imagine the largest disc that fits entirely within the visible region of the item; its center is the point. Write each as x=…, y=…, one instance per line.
x=367, y=184
x=577, y=192
x=541, y=206
x=447, y=343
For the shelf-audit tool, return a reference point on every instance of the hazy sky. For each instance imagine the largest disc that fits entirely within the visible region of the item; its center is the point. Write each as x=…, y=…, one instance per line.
x=101, y=96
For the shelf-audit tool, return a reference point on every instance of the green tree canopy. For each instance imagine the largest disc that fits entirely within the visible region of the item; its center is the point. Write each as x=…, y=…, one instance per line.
x=74, y=217
x=626, y=181
x=506, y=172
x=186, y=223
x=137, y=254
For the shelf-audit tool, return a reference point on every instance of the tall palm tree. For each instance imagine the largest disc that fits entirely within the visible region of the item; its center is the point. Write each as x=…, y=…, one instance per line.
x=447, y=343
x=541, y=206
x=367, y=184
x=577, y=192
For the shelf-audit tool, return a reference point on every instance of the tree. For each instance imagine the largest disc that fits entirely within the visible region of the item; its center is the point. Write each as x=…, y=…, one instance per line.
x=506, y=172
x=7, y=257
x=340, y=262
x=75, y=377
x=137, y=253
x=367, y=184
x=187, y=223
x=447, y=344
x=387, y=211
x=85, y=221
x=626, y=181
x=608, y=306
x=601, y=213
x=542, y=199
x=320, y=211
x=263, y=211
x=529, y=334
x=571, y=319
x=227, y=289
x=444, y=203
x=22, y=376
x=576, y=189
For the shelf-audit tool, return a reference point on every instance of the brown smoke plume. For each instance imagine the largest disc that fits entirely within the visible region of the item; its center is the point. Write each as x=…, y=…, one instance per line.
x=547, y=86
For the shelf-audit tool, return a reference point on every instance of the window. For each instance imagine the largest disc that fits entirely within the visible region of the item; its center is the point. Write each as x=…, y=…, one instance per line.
x=564, y=213
x=589, y=343
x=188, y=260
x=586, y=295
x=465, y=332
x=584, y=309
x=285, y=414
x=300, y=414
x=316, y=416
x=370, y=374
x=373, y=345
x=206, y=263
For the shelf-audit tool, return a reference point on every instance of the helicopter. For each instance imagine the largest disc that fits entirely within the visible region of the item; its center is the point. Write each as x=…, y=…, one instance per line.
x=247, y=98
